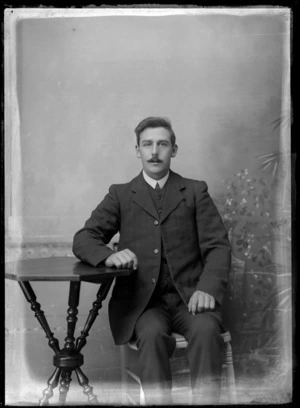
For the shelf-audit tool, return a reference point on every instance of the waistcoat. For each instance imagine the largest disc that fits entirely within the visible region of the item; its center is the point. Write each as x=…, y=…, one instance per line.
x=165, y=283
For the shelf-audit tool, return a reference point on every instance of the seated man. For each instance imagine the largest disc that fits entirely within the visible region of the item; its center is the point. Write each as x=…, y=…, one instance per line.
x=173, y=237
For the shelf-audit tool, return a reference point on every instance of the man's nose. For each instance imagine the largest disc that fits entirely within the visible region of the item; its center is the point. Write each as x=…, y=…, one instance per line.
x=154, y=149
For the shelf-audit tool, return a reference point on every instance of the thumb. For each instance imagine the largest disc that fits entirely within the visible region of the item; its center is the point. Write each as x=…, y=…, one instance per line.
x=108, y=262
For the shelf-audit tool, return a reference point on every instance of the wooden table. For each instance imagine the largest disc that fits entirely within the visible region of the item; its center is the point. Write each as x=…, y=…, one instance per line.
x=69, y=358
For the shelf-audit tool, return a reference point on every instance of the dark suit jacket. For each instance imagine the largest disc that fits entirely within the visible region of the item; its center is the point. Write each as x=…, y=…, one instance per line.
x=194, y=239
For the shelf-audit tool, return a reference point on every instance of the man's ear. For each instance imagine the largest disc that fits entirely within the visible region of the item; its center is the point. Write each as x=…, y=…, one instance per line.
x=137, y=151
x=174, y=150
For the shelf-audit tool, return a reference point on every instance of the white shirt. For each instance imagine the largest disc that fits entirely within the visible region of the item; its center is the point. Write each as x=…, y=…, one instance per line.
x=153, y=182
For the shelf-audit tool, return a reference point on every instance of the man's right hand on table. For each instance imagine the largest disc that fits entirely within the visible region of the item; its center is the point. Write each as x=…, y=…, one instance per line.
x=122, y=259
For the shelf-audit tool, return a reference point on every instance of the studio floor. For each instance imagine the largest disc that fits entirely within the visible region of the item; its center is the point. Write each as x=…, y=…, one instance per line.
x=109, y=394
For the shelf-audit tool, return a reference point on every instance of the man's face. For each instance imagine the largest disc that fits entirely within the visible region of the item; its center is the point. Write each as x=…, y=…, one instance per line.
x=155, y=150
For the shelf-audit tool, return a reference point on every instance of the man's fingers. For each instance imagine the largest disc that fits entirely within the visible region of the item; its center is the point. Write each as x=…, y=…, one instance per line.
x=109, y=262
x=206, y=302
x=118, y=262
x=131, y=259
x=193, y=308
x=128, y=252
x=126, y=259
x=113, y=260
x=212, y=303
x=201, y=303
x=190, y=304
x=193, y=304
x=134, y=261
x=122, y=259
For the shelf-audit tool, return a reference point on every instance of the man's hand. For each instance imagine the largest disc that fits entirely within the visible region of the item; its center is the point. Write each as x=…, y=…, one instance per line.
x=200, y=302
x=122, y=259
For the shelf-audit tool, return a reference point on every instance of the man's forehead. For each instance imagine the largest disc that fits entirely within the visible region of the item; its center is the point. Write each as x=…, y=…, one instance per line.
x=155, y=133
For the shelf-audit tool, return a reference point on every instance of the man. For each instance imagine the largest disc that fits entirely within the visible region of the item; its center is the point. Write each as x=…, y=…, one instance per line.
x=173, y=237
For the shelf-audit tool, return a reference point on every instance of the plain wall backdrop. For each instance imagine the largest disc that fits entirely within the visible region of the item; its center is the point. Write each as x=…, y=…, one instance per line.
x=83, y=84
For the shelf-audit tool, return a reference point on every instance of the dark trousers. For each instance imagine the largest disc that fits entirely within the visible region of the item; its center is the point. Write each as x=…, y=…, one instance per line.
x=165, y=313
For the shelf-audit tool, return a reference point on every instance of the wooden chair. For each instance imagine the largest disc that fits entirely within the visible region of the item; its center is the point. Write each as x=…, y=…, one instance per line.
x=181, y=343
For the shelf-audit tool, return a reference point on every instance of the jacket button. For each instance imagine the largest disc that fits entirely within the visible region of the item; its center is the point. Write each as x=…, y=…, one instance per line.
x=156, y=251
x=153, y=280
x=156, y=222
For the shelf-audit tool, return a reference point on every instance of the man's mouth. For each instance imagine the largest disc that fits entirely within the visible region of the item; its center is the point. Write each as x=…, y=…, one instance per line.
x=154, y=161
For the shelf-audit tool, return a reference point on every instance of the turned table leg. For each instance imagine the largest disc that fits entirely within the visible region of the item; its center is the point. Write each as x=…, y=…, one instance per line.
x=73, y=303
x=81, y=341
x=53, y=342
x=52, y=383
x=87, y=389
x=39, y=314
x=101, y=295
x=64, y=386
x=69, y=359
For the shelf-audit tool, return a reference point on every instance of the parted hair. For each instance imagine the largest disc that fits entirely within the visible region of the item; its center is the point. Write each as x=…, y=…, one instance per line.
x=154, y=122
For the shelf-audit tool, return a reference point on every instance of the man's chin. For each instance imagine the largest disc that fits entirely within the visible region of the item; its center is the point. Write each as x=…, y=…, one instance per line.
x=156, y=173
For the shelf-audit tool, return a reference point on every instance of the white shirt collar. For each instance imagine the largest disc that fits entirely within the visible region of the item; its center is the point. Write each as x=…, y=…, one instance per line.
x=153, y=182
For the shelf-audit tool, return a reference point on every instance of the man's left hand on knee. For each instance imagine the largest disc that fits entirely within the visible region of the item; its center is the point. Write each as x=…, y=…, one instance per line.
x=200, y=302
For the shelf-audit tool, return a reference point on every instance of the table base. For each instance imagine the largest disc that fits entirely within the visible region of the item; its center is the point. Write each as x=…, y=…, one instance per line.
x=64, y=375
x=69, y=358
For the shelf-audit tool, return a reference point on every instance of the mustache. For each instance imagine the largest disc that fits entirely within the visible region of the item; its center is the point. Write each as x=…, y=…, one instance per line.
x=153, y=160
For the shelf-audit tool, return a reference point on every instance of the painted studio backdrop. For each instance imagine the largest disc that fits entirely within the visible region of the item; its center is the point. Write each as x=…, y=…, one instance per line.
x=77, y=84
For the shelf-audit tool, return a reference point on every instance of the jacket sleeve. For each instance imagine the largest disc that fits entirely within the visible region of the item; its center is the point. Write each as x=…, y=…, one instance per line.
x=90, y=242
x=214, y=246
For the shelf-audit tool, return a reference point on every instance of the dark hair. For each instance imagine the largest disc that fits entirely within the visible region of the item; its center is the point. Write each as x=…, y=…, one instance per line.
x=154, y=122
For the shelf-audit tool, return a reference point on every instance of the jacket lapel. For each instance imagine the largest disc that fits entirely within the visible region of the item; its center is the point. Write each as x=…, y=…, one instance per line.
x=141, y=195
x=173, y=195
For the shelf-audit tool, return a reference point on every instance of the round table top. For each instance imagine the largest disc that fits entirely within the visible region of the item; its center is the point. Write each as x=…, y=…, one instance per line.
x=59, y=269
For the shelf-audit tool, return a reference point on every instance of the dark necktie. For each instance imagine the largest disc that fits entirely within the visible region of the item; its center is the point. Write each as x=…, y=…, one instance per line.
x=158, y=191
